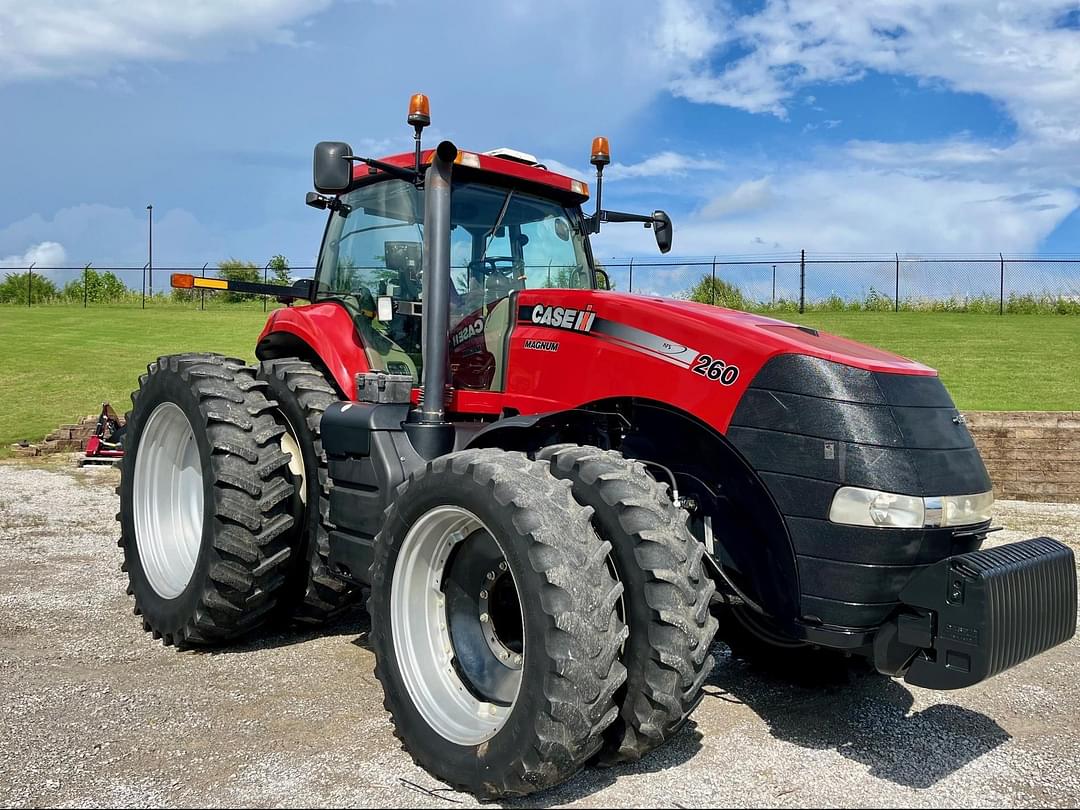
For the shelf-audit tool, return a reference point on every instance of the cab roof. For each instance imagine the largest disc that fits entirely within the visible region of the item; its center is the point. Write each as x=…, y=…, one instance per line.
x=577, y=190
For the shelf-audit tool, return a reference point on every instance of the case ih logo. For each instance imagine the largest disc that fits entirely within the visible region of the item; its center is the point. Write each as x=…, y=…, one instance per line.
x=472, y=330
x=577, y=320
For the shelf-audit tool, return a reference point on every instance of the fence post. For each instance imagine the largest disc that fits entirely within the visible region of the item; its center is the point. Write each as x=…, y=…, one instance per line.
x=30, y=283
x=802, y=281
x=713, y=288
x=631, y=275
x=202, y=293
x=1001, y=299
x=774, y=285
x=264, y=284
x=144, y=284
x=85, y=288
x=896, y=301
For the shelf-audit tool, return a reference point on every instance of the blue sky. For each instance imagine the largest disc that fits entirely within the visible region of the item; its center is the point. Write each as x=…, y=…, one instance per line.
x=762, y=127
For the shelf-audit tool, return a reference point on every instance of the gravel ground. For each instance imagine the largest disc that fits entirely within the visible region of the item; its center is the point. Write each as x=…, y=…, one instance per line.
x=95, y=713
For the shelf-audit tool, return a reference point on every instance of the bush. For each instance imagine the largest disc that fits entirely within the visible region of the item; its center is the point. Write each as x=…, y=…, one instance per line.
x=101, y=288
x=710, y=290
x=13, y=289
x=236, y=270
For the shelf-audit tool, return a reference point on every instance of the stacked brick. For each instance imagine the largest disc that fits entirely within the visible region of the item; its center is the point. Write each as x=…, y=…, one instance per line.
x=65, y=439
x=1031, y=456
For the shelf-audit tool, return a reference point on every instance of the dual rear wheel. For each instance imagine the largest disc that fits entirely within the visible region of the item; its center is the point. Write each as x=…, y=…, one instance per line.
x=224, y=498
x=528, y=615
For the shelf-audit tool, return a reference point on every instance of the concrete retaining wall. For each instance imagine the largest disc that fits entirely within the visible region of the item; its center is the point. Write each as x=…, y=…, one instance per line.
x=1031, y=456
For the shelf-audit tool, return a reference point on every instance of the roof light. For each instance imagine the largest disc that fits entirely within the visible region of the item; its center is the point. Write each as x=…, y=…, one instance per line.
x=579, y=187
x=419, y=110
x=601, y=153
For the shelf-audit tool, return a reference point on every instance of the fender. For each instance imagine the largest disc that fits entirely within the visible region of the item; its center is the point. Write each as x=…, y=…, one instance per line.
x=530, y=433
x=327, y=331
x=751, y=537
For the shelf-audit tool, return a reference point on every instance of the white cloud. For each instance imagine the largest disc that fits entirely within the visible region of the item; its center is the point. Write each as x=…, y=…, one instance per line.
x=858, y=209
x=43, y=254
x=750, y=195
x=664, y=164
x=52, y=38
x=1010, y=51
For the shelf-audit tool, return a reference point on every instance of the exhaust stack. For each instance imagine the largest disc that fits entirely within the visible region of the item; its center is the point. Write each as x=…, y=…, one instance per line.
x=428, y=429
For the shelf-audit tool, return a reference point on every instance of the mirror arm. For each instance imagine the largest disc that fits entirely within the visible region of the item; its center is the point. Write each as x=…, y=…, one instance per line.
x=619, y=216
x=377, y=165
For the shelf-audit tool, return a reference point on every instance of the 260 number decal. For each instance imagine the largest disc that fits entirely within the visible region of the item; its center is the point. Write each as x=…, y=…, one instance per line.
x=708, y=366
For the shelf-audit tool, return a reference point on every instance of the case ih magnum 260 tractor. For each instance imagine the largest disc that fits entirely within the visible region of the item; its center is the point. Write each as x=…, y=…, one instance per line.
x=549, y=487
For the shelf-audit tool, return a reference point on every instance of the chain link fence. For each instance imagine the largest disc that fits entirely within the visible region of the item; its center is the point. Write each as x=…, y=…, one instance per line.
x=984, y=282
x=783, y=282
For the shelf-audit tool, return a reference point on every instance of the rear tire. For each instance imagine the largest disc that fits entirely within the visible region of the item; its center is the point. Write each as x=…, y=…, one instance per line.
x=303, y=394
x=666, y=599
x=464, y=708
x=204, y=501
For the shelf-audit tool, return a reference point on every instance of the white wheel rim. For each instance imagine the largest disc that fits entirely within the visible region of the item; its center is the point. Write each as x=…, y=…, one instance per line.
x=168, y=501
x=422, y=639
x=290, y=447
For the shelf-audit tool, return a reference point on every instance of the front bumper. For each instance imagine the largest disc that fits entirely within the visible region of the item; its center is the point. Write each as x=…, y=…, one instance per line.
x=972, y=616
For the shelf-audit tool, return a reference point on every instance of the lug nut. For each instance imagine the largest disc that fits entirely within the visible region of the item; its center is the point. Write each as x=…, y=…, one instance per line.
x=491, y=575
x=483, y=594
x=484, y=618
x=502, y=566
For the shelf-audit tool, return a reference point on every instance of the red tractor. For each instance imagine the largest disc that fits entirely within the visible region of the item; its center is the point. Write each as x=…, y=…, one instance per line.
x=552, y=489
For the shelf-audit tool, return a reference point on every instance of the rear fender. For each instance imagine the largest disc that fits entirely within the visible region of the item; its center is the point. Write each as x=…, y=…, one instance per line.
x=323, y=334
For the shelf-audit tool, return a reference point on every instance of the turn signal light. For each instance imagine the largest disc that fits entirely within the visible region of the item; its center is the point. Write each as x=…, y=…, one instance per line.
x=183, y=281
x=601, y=154
x=419, y=110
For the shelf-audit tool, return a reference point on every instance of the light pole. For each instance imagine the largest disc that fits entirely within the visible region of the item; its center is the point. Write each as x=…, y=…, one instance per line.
x=150, y=263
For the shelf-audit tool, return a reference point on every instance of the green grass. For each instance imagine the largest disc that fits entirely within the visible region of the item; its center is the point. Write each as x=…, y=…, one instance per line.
x=988, y=362
x=59, y=363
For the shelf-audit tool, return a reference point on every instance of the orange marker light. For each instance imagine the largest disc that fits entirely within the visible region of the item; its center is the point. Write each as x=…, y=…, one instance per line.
x=601, y=154
x=183, y=281
x=419, y=110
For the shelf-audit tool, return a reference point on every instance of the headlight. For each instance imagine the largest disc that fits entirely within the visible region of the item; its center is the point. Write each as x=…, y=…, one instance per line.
x=856, y=506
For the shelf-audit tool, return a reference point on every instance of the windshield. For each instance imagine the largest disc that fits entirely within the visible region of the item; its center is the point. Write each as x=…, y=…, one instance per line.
x=376, y=249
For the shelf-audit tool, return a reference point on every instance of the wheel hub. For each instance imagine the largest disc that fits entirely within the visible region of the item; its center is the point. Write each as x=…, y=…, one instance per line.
x=167, y=500
x=456, y=621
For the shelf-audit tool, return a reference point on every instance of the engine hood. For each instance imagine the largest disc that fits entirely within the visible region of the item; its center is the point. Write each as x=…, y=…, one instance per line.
x=772, y=336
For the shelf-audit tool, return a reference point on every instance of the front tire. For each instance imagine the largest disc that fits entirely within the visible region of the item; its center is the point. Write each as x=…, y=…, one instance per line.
x=666, y=599
x=493, y=623
x=204, y=501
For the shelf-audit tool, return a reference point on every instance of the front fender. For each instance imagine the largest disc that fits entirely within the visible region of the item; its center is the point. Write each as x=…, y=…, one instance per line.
x=328, y=331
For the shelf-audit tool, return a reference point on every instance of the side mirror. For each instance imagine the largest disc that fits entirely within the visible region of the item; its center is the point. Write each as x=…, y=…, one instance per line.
x=662, y=229
x=603, y=280
x=333, y=173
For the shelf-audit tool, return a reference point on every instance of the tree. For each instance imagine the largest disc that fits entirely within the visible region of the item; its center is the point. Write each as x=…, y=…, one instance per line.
x=279, y=271
x=13, y=289
x=710, y=290
x=236, y=270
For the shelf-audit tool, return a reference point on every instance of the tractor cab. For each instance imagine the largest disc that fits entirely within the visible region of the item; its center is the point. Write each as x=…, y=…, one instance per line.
x=513, y=226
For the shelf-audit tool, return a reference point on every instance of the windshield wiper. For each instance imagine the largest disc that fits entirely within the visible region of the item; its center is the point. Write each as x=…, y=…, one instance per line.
x=498, y=222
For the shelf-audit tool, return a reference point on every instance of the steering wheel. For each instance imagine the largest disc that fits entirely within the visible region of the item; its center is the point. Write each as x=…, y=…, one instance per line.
x=489, y=266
